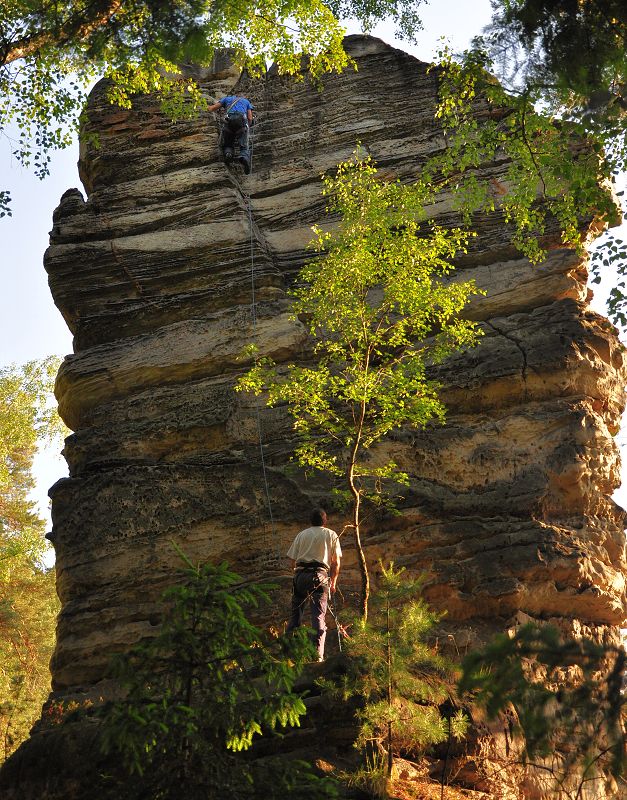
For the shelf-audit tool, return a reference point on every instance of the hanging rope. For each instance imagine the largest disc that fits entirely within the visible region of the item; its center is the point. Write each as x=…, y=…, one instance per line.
x=246, y=196
x=264, y=469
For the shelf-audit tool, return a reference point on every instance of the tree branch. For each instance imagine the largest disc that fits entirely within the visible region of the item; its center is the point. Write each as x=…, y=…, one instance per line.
x=75, y=28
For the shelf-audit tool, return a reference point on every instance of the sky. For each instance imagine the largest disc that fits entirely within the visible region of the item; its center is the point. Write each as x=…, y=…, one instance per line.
x=31, y=326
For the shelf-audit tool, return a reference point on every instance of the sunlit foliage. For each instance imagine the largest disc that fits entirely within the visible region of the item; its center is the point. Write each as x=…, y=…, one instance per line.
x=557, y=116
x=380, y=306
x=28, y=602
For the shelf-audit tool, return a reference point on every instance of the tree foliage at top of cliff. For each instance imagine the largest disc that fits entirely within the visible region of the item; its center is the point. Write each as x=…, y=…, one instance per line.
x=28, y=602
x=555, y=172
x=559, y=112
x=568, y=60
x=49, y=53
x=573, y=51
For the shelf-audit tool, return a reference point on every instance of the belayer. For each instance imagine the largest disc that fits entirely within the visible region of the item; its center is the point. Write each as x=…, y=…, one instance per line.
x=237, y=120
x=315, y=557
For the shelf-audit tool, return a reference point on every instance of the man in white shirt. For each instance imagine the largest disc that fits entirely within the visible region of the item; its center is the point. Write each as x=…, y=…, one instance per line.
x=315, y=557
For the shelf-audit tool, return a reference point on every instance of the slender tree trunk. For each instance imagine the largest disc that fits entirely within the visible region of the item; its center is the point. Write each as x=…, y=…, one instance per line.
x=355, y=491
x=448, y=747
x=361, y=556
x=389, y=689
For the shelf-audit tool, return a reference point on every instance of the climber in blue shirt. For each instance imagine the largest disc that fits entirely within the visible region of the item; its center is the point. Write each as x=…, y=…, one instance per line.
x=236, y=124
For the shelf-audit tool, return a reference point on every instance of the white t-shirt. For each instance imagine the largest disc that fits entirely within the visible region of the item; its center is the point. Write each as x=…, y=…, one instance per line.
x=316, y=544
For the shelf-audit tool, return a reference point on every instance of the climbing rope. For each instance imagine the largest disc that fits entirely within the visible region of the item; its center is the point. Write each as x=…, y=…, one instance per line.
x=340, y=628
x=264, y=471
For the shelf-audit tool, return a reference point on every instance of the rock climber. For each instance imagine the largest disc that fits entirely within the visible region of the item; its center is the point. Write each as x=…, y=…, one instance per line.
x=237, y=121
x=315, y=557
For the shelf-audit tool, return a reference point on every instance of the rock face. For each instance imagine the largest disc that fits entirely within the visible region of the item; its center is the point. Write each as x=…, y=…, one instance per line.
x=509, y=510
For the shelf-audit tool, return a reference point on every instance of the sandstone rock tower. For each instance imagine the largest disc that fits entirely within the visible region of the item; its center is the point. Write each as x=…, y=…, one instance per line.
x=509, y=511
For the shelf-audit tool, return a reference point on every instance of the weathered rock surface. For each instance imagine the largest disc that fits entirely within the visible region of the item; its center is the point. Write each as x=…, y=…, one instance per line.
x=509, y=510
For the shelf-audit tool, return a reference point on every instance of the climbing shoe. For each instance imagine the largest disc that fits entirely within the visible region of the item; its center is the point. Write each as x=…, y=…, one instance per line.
x=228, y=156
x=246, y=164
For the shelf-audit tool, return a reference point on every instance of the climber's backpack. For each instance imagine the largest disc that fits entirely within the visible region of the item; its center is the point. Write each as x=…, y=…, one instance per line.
x=234, y=120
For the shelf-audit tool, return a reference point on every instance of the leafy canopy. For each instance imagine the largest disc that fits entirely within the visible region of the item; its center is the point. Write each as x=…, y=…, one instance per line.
x=27, y=416
x=556, y=173
x=569, y=59
x=572, y=50
x=28, y=610
x=558, y=113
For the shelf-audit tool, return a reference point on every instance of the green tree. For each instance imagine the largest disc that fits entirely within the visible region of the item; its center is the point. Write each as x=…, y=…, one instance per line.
x=379, y=310
x=28, y=602
x=28, y=610
x=400, y=677
x=568, y=698
x=555, y=169
x=558, y=113
x=573, y=50
x=198, y=693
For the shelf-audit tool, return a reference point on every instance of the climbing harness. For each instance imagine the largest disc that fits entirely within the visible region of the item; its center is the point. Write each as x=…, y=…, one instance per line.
x=236, y=123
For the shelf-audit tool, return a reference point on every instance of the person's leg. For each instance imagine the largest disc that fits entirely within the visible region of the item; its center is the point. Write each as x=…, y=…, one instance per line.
x=297, y=606
x=319, y=600
x=227, y=141
x=244, y=152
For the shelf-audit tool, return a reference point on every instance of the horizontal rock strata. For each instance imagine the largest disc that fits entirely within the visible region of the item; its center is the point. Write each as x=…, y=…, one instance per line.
x=508, y=511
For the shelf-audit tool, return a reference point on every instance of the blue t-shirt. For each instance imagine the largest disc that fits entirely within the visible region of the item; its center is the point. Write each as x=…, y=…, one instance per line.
x=241, y=104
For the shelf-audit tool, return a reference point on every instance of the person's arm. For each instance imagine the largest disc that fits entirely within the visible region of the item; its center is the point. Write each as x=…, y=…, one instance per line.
x=292, y=553
x=336, y=561
x=249, y=116
x=335, y=571
x=215, y=106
